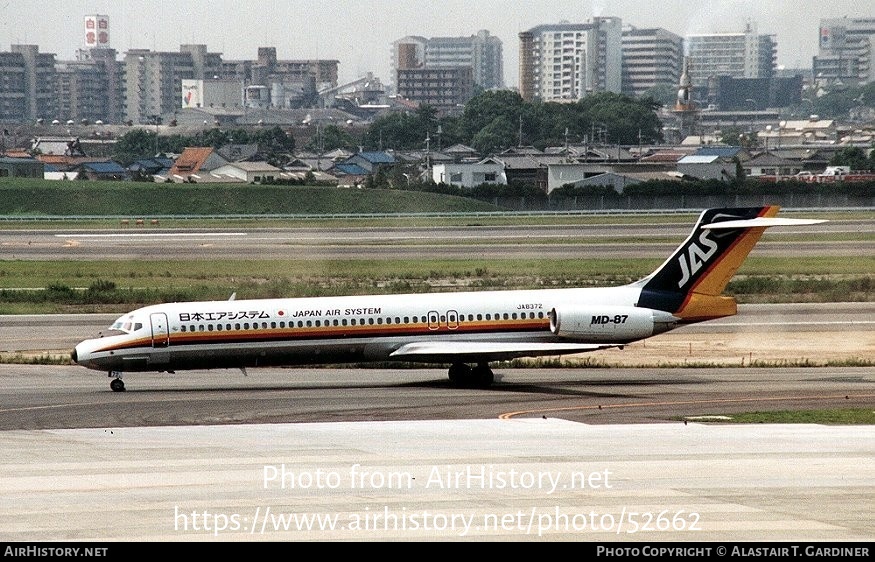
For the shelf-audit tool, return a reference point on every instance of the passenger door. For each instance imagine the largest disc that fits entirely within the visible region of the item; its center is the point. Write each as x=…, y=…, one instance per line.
x=160, y=330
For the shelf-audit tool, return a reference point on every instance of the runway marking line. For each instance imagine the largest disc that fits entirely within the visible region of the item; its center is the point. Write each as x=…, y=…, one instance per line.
x=510, y=415
x=47, y=407
x=154, y=235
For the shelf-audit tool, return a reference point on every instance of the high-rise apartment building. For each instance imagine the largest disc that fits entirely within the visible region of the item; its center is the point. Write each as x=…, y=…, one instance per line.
x=144, y=85
x=90, y=87
x=13, y=100
x=739, y=55
x=32, y=84
x=565, y=61
x=846, y=52
x=445, y=89
x=482, y=53
x=153, y=79
x=651, y=58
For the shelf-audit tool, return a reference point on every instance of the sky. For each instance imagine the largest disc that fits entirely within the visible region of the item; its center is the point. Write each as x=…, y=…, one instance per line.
x=359, y=33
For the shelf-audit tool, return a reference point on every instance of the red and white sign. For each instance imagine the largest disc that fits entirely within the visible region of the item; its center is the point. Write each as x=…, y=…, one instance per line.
x=96, y=31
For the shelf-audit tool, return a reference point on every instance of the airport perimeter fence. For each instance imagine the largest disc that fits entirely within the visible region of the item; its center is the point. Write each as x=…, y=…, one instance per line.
x=635, y=204
x=674, y=202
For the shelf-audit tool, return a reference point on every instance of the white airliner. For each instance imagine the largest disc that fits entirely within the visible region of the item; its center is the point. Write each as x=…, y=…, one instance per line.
x=466, y=330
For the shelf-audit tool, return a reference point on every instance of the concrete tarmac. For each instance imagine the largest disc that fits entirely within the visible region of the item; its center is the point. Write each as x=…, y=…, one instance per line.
x=465, y=480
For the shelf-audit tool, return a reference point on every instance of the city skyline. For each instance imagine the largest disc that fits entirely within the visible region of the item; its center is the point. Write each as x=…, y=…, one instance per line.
x=336, y=30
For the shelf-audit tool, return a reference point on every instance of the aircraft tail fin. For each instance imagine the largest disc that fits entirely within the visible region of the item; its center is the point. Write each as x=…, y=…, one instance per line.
x=690, y=283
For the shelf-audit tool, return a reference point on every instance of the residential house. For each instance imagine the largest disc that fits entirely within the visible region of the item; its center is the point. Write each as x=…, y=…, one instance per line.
x=713, y=162
x=771, y=164
x=159, y=165
x=617, y=174
x=65, y=164
x=372, y=162
x=349, y=175
x=321, y=161
x=66, y=146
x=620, y=180
x=238, y=152
x=665, y=156
x=310, y=177
x=53, y=172
x=107, y=170
x=249, y=172
x=338, y=154
x=194, y=161
x=527, y=165
x=21, y=168
x=814, y=159
x=813, y=130
x=591, y=153
x=301, y=170
x=461, y=153
x=471, y=174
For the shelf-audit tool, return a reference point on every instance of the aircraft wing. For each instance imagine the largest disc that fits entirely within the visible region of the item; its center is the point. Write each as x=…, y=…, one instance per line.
x=476, y=352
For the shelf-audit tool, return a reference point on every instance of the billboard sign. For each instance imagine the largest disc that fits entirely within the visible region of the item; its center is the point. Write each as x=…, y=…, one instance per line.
x=97, y=31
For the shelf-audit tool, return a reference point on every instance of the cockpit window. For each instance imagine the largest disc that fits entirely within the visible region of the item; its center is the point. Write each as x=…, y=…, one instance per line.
x=126, y=325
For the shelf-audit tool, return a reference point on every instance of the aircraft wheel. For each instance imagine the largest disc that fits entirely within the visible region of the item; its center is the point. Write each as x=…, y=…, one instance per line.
x=459, y=373
x=483, y=376
x=117, y=385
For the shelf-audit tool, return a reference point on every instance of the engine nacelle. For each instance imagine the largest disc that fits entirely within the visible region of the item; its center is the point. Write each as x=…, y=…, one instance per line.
x=609, y=323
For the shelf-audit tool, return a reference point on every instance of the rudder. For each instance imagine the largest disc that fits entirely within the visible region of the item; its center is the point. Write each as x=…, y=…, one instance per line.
x=690, y=282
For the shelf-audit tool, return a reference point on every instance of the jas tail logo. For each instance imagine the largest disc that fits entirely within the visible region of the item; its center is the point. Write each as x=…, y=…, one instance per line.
x=696, y=256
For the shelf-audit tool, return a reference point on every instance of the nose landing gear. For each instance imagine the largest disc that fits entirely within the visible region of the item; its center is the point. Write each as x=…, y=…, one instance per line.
x=116, y=384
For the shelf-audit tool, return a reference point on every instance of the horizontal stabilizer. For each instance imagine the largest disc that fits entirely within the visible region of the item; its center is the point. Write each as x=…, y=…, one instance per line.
x=761, y=222
x=450, y=351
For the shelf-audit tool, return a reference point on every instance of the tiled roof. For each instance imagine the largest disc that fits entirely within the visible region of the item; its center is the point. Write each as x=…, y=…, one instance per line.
x=664, y=157
x=350, y=169
x=191, y=160
x=720, y=151
x=377, y=157
x=254, y=167
x=699, y=159
x=104, y=167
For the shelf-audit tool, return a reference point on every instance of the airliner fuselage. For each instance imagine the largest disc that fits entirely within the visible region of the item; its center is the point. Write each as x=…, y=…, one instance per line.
x=221, y=334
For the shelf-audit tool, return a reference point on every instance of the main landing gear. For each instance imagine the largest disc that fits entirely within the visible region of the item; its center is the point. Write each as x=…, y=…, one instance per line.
x=464, y=375
x=116, y=384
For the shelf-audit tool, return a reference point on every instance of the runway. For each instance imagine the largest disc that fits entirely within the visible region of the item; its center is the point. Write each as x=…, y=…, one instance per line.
x=47, y=398
x=410, y=242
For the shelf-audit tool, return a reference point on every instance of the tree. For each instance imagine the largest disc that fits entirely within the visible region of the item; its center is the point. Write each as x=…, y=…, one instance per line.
x=497, y=135
x=329, y=138
x=397, y=130
x=485, y=108
x=626, y=120
x=273, y=139
x=214, y=137
x=664, y=94
x=851, y=156
x=736, y=136
x=134, y=145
